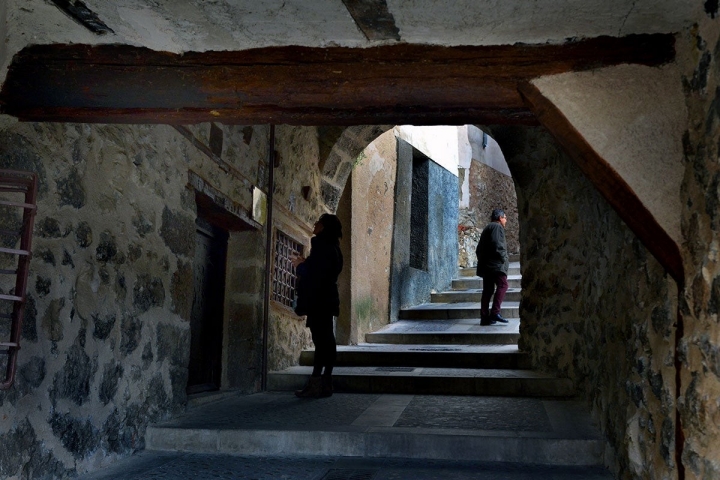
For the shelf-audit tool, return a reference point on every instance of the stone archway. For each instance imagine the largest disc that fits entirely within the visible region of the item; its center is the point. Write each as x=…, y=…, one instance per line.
x=336, y=166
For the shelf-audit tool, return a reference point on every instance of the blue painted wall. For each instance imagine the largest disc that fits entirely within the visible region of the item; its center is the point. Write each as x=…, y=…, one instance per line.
x=411, y=286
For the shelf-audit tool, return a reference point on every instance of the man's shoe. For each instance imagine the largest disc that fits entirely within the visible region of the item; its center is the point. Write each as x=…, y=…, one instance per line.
x=487, y=320
x=498, y=318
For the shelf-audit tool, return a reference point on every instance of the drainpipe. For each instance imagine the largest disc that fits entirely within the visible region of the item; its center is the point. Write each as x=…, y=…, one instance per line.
x=268, y=256
x=679, y=434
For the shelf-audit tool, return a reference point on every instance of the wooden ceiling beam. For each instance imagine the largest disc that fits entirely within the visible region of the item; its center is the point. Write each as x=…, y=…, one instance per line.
x=300, y=85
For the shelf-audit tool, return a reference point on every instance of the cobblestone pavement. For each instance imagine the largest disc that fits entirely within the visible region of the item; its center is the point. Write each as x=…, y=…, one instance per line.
x=175, y=466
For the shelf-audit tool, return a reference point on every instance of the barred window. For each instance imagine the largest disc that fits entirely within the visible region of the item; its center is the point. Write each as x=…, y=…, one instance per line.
x=284, y=276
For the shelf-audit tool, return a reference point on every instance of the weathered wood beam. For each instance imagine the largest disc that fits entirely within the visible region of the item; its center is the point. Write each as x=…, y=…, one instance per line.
x=299, y=85
x=373, y=19
x=616, y=191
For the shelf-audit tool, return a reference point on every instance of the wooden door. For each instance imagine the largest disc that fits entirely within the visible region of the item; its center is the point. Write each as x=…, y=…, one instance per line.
x=206, y=323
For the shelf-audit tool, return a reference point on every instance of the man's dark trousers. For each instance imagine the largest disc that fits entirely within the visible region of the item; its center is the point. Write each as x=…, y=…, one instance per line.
x=491, y=281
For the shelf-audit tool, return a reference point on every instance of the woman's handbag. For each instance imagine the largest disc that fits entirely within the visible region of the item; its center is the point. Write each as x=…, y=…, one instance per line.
x=301, y=298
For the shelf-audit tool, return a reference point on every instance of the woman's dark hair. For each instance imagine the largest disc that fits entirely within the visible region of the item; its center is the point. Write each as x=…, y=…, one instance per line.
x=496, y=215
x=331, y=225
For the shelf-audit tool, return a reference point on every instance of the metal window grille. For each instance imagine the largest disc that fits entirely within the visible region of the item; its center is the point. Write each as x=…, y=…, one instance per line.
x=284, y=275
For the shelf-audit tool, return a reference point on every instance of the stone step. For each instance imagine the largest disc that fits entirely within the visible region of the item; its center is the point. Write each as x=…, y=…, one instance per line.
x=166, y=465
x=430, y=381
x=474, y=295
x=441, y=311
x=474, y=283
x=445, y=356
x=444, y=338
x=447, y=332
x=472, y=271
x=527, y=431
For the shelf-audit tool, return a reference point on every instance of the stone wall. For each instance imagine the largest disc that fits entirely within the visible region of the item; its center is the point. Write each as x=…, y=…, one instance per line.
x=596, y=306
x=106, y=335
x=287, y=334
x=106, y=338
x=700, y=301
x=298, y=205
x=489, y=189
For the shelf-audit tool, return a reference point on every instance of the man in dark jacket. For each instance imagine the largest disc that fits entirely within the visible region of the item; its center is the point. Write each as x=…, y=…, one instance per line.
x=493, y=267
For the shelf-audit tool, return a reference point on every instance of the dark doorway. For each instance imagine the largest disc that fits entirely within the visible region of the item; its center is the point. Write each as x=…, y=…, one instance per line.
x=206, y=322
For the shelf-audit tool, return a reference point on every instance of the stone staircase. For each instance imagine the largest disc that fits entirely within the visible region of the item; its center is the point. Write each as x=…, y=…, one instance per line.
x=439, y=348
x=433, y=386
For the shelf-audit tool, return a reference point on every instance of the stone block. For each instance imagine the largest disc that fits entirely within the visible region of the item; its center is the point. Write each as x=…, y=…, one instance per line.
x=148, y=292
x=70, y=189
x=182, y=290
x=48, y=227
x=173, y=344
x=330, y=195
x=77, y=436
x=175, y=231
x=130, y=334
x=103, y=326
x=73, y=380
x=20, y=447
x=143, y=225
x=112, y=373
x=29, y=326
x=42, y=286
x=83, y=235
x=46, y=255
x=52, y=325
x=32, y=373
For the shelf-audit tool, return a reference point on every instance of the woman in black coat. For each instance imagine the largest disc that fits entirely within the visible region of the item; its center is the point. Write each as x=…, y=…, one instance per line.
x=318, y=298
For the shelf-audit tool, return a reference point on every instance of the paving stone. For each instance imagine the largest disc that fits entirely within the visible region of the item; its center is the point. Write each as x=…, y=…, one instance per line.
x=472, y=413
x=277, y=411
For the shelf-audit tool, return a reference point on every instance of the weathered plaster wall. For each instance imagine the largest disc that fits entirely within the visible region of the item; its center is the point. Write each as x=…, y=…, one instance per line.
x=596, y=306
x=439, y=142
x=633, y=117
x=344, y=327
x=699, y=349
x=373, y=199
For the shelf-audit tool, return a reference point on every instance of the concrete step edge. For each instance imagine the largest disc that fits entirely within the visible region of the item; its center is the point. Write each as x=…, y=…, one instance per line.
x=418, y=338
x=493, y=447
x=488, y=360
x=397, y=383
x=452, y=313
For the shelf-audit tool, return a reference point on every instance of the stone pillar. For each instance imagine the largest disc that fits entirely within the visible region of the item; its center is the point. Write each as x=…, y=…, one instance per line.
x=244, y=290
